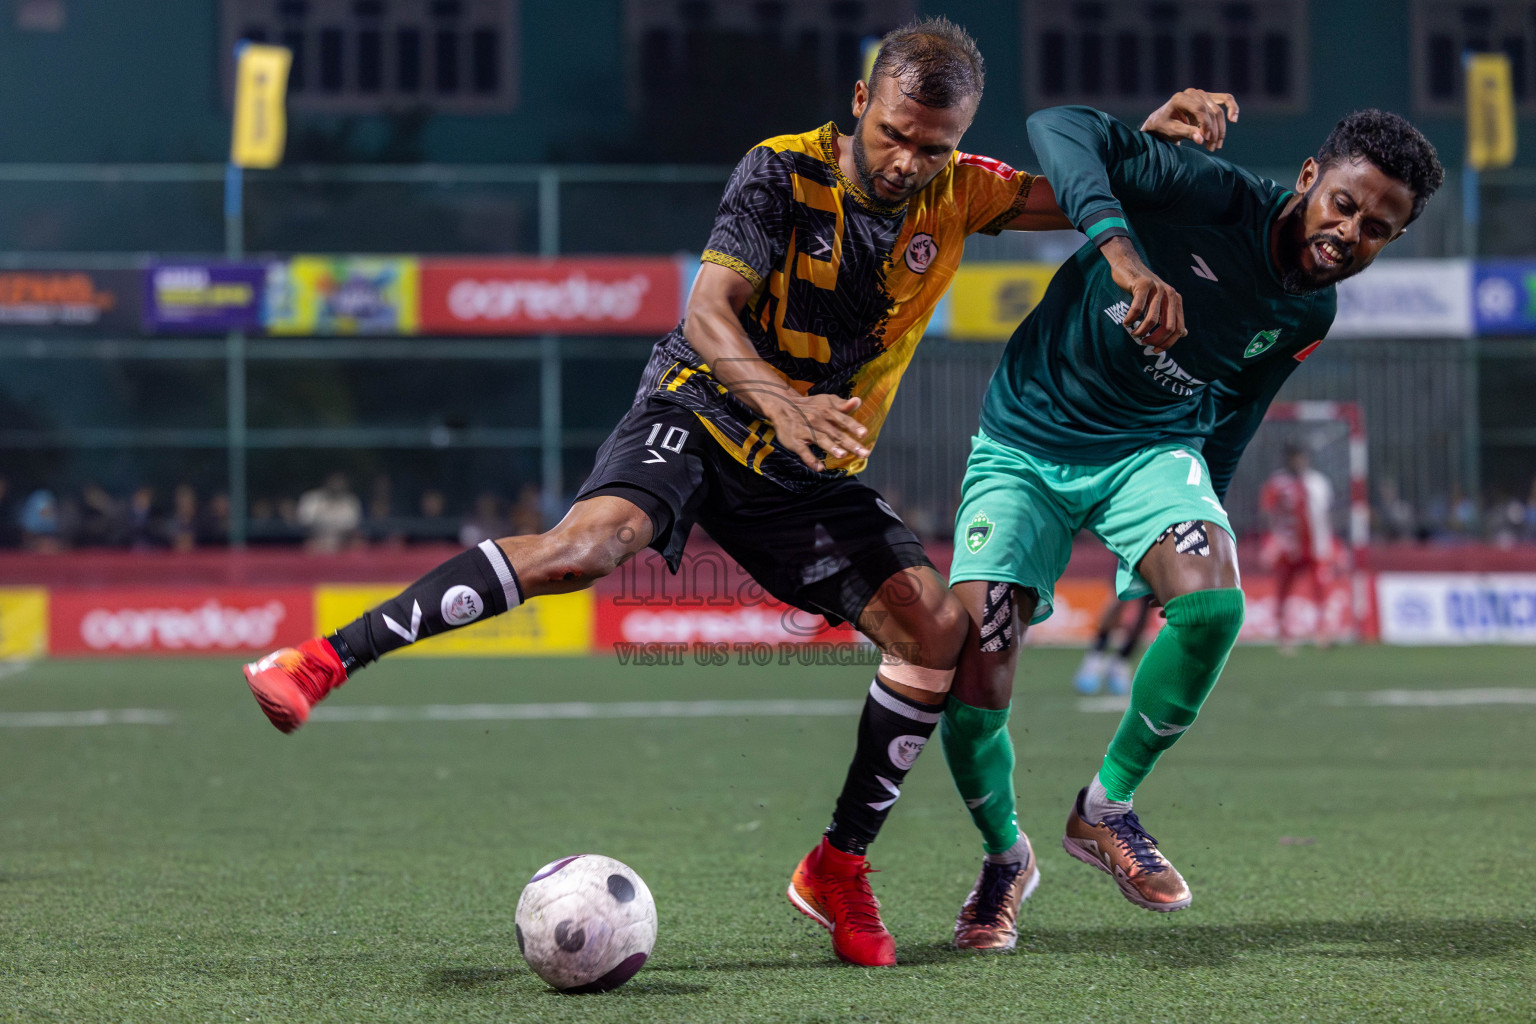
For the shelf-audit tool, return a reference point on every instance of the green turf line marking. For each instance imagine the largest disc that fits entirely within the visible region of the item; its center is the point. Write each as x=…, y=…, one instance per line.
x=68, y=719
x=588, y=710
x=1469, y=697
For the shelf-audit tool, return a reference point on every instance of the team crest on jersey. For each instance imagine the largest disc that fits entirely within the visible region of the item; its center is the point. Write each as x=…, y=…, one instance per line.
x=1261, y=341
x=920, y=253
x=978, y=532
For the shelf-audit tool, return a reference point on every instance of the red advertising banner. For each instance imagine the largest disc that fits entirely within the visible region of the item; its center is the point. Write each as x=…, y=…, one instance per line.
x=615, y=295
x=193, y=620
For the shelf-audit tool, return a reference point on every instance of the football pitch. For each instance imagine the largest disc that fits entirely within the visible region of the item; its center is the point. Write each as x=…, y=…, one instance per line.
x=165, y=855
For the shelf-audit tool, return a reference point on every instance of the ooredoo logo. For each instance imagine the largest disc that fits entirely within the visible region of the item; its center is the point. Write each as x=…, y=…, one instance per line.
x=577, y=297
x=208, y=626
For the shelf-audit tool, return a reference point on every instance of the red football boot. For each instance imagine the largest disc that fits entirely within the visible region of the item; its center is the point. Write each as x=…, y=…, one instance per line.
x=829, y=887
x=287, y=683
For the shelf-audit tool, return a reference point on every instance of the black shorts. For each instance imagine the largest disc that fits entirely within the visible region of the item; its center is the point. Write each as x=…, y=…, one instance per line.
x=826, y=550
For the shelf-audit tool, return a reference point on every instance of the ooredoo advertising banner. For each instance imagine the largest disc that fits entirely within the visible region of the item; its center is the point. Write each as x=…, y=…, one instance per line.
x=559, y=296
x=99, y=300
x=194, y=620
x=196, y=297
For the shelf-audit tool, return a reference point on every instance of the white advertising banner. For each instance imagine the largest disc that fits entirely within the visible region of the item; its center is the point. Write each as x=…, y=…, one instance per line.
x=1407, y=298
x=1456, y=608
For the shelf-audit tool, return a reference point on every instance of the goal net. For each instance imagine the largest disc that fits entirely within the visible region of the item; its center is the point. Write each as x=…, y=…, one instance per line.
x=1333, y=435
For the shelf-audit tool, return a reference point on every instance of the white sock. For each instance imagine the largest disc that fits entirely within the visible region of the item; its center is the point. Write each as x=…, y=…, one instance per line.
x=1097, y=805
x=1015, y=854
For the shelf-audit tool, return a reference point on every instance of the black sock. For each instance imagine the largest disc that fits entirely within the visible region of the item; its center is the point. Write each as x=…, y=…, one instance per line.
x=1133, y=635
x=892, y=731
x=464, y=589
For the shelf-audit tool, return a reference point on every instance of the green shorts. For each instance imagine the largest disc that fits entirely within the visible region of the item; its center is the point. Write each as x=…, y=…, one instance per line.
x=1018, y=513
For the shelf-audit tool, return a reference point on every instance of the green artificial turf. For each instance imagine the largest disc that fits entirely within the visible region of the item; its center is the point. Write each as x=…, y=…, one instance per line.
x=1349, y=863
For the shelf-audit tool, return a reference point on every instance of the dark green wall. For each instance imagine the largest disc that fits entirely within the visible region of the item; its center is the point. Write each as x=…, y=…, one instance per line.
x=138, y=82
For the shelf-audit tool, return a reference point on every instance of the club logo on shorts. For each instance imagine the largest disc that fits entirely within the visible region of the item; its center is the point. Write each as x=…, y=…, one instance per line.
x=903, y=750
x=461, y=605
x=978, y=532
x=920, y=253
x=1260, y=342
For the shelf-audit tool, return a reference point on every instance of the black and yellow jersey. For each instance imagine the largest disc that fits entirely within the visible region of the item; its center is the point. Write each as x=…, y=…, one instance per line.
x=843, y=285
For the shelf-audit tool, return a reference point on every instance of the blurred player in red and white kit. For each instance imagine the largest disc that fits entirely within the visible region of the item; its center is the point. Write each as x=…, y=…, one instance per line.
x=1298, y=504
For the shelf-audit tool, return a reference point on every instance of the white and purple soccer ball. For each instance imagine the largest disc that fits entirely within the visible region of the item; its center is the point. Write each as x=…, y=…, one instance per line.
x=586, y=923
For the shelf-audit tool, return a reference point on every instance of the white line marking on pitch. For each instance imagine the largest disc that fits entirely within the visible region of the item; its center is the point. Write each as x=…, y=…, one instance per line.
x=588, y=710
x=11, y=668
x=1435, y=698
x=1113, y=703
x=98, y=716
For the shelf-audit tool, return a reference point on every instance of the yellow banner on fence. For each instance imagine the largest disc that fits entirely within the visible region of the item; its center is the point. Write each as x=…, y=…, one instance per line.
x=555, y=624
x=23, y=622
x=987, y=300
x=261, y=88
x=1490, y=111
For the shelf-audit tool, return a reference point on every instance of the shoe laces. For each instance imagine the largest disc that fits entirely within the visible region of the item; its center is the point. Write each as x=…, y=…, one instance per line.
x=857, y=908
x=992, y=890
x=1136, y=841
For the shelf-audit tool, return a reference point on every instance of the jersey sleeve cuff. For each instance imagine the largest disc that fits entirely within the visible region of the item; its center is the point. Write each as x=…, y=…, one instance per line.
x=732, y=263
x=996, y=225
x=1106, y=224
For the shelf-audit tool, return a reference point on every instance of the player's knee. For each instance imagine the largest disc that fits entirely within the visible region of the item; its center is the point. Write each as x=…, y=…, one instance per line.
x=1212, y=617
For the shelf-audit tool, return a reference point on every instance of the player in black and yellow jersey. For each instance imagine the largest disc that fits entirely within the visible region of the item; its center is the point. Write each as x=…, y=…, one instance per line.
x=754, y=417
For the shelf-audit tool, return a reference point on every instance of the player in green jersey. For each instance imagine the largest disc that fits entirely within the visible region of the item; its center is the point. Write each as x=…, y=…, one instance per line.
x=1097, y=420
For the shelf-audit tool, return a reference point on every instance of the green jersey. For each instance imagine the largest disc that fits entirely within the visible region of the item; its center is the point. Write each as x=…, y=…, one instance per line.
x=1074, y=386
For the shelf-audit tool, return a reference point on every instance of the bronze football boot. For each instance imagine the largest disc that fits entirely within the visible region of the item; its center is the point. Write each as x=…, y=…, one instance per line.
x=1122, y=849
x=989, y=919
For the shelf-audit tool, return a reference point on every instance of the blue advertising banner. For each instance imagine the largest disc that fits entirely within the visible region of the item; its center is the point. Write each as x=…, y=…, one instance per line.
x=203, y=297
x=1504, y=297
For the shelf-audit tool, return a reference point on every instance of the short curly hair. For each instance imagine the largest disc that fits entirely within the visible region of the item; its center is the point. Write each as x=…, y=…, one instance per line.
x=1394, y=145
x=936, y=60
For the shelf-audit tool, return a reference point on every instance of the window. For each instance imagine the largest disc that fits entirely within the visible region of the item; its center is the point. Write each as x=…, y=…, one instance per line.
x=1443, y=31
x=363, y=56
x=759, y=68
x=1132, y=56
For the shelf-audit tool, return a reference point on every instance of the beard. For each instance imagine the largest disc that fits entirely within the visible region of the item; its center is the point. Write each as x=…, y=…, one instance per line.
x=1301, y=282
x=1297, y=281
x=861, y=161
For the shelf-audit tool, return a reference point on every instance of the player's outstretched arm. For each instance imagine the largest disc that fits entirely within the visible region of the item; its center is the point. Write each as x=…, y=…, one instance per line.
x=713, y=327
x=1156, y=315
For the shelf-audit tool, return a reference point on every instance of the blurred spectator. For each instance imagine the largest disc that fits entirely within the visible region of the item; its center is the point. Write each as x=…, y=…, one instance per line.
x=485, y=523
x=1506, y=521
x=144, y=527
x=40, y=523
x=1465, y=520
x=10, y=533
x=526, y=516
x=330, y=515
x=181, y=526
x=213, y=520
x=99, y=520
x=433, y=504
x=1395, y=518
x=382, y=526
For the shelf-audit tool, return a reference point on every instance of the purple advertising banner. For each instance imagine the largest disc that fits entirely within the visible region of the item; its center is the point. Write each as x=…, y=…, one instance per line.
x=197, y=297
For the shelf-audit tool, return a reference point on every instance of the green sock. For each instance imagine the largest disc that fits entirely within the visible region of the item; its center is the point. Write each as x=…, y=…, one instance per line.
x=1174, y=678
x=980, y=757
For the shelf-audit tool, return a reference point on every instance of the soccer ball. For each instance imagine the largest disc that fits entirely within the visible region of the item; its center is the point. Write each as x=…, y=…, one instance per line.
x=586, y=923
